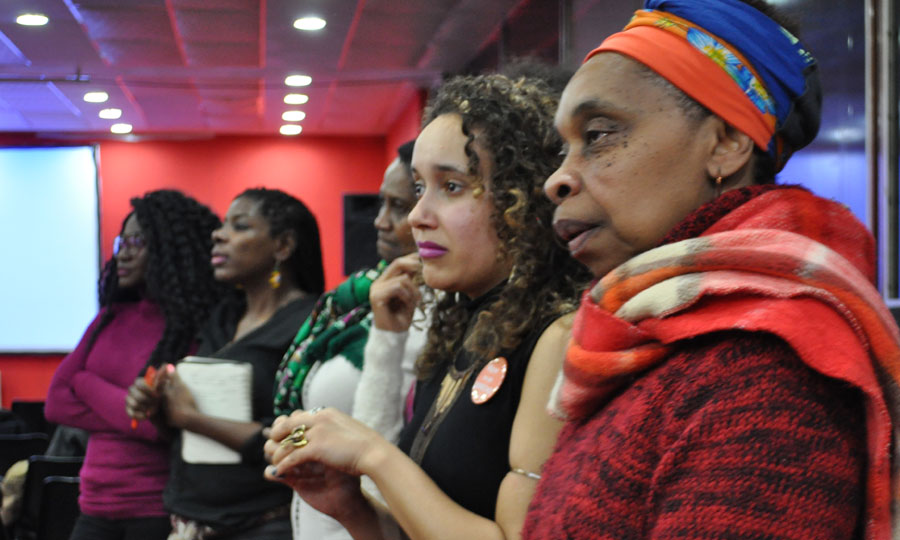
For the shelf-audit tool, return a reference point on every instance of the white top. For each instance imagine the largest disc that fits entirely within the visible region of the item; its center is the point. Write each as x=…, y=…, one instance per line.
x=376, y=396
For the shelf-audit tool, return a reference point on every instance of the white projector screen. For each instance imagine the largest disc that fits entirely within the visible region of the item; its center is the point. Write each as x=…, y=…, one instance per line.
x=50, y=245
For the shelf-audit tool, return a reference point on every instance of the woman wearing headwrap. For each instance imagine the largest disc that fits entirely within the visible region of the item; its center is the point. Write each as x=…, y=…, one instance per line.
x=733, y=372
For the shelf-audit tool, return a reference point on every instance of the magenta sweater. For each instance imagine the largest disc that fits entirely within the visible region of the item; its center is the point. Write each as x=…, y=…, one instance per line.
x=125, y=470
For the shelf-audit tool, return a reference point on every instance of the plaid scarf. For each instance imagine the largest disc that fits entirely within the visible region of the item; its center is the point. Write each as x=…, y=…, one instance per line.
x=784, y=262
x=338, y=325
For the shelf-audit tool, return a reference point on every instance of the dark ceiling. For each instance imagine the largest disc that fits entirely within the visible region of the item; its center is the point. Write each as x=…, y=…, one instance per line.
x=182, y=67
x=201, y=67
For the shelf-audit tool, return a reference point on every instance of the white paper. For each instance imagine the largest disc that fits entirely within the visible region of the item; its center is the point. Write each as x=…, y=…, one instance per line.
x=221, y=389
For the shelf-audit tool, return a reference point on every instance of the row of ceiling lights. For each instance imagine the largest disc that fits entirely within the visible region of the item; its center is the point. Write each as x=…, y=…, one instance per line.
x=309, y=24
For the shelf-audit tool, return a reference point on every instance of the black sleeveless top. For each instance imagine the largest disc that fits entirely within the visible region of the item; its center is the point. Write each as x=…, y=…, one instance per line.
x=468, y=455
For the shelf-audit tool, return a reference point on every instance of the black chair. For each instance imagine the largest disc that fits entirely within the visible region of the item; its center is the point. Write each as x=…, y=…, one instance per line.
x=59, y=508
x=32, y=412
x=21, y=446
x=39, y=469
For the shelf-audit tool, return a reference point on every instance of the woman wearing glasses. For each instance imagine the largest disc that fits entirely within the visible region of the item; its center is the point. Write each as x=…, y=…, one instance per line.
x=154, y=293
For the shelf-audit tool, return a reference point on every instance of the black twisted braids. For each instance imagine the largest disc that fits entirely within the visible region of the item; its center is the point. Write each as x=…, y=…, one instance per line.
x=285, y=213
x=177, y=231
x=513, y=122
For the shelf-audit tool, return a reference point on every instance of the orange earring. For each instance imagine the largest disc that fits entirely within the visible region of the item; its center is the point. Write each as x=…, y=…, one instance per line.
x=718, y=186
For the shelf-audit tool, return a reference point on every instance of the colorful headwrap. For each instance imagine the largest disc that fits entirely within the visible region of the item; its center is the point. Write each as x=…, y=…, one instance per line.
x=734, y=60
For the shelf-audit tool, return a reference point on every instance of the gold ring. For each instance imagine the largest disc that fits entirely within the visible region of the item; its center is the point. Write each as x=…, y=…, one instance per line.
x=297, y=437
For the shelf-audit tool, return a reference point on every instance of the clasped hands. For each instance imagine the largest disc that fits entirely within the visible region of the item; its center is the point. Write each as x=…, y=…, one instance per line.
x=321, y=454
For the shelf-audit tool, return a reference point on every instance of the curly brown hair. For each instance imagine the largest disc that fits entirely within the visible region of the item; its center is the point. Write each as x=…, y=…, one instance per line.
x=513, y=121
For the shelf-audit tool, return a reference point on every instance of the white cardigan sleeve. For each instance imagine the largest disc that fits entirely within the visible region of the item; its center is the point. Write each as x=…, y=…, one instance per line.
x=387, y=375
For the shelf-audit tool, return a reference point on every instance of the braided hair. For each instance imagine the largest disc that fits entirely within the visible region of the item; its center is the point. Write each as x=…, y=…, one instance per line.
x=178, y=276
x=513, y=121
x=285, y=213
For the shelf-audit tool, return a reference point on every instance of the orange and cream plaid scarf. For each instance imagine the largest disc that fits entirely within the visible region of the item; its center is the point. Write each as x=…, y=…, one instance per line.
x=786, y=262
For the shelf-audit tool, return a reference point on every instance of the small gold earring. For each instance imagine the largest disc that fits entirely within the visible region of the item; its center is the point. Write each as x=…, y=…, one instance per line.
x=275, y=277
x=718, y=186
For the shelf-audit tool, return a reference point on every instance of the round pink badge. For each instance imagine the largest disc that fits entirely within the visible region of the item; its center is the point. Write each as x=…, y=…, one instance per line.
x=489, y=380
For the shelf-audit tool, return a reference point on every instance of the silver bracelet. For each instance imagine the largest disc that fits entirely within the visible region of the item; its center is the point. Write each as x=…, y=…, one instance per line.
x=523, y=472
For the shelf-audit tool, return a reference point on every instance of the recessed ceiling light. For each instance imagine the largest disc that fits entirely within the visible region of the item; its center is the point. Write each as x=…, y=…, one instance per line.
x=96, y=97
x=290, y=129
x=309, y=23
x=293, y=116
x=296, y=99
x=110, y=114
x=298, y=80
x=32, y=19
x=121, y=129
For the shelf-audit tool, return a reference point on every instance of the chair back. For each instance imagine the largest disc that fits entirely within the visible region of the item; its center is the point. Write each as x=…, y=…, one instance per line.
x=32, y=413
x=59, y=508
x=39, y=469
x=21, y=446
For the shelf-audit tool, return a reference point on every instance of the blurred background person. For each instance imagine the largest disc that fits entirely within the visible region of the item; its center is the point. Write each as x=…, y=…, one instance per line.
x=154, y=293
x=340, y=359
x=268, y=247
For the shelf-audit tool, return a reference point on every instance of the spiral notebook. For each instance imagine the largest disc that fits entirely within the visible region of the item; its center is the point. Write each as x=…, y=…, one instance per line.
x=223, y=389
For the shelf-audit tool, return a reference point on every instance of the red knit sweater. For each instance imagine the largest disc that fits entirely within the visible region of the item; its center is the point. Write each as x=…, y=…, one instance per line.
x=732, y=437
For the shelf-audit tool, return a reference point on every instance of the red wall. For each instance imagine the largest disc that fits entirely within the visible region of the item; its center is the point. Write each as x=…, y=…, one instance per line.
x=26, y=376
x=407, y=125
x=316, y=170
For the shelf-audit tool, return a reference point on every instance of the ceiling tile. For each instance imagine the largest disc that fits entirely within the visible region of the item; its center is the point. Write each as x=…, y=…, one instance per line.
x=149, y=23
x=218, y=26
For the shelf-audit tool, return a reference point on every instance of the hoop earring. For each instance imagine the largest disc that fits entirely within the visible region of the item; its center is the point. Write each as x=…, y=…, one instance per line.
x=275, y=277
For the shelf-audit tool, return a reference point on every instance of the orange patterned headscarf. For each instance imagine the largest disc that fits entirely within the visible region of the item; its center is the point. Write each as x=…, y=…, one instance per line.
x=770, y=93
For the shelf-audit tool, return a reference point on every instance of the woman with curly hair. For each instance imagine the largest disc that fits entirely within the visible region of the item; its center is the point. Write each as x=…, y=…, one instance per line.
x=268, y=247
x=155, y=292
x=467, y=461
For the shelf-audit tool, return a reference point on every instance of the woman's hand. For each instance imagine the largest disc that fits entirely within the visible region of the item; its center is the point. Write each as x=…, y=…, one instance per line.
x=178, y=402
x=141, y=402
x=394, y=295
x=332, y=438
x=326, y=489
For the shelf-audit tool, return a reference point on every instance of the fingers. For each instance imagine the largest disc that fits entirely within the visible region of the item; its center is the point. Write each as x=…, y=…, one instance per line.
x=284, y=424
x=141, y=400
x=409, y=265
x=394, y=300
x=327, y=436
x=397, y=288
x=281, y=428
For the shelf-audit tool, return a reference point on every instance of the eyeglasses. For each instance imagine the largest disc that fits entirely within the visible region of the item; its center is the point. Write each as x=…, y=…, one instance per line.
x=135, y=242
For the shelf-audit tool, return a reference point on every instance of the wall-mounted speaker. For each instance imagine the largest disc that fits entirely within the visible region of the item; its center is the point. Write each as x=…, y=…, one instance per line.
x=360, y=236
